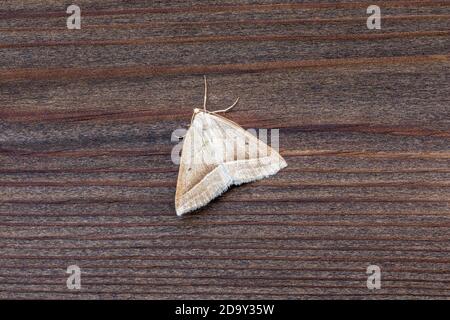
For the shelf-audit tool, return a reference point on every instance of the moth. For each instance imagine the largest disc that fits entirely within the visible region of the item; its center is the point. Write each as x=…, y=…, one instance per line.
x=216, y=154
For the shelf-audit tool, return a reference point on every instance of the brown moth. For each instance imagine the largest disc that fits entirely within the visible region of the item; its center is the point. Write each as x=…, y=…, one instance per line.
x=217, y=153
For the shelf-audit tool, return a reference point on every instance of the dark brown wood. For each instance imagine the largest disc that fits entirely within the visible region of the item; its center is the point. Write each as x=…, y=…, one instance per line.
x=86, y=177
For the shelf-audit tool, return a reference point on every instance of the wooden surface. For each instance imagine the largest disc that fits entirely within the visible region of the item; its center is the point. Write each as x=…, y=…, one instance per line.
x=86, y=177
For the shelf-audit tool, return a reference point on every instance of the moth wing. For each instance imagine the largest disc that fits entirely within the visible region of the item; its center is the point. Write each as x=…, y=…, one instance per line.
x=252, y=159
x=216, y=154
x=199, y=178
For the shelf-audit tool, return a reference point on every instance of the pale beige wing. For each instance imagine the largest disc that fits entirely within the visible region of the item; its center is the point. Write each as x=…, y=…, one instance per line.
x=198, y=181
x=216, y=154
x=253, y=159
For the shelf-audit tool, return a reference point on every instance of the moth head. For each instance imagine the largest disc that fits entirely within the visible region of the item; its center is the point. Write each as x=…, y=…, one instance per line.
x=197, y=110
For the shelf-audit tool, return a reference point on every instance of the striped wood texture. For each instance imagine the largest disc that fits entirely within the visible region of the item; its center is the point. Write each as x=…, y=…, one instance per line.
x=86, y=176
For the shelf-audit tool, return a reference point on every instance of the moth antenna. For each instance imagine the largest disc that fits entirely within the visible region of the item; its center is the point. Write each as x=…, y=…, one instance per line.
x=206, y=94
x=205, y=98
x=229, y=108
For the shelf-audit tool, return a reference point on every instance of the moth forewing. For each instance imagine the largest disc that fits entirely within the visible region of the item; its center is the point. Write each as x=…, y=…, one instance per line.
x=216, y=154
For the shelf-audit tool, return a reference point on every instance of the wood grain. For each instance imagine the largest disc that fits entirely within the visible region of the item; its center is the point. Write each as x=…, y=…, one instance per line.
x=86, y=177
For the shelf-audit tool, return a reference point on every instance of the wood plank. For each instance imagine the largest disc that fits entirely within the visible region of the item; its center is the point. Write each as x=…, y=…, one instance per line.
x=86, y=176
